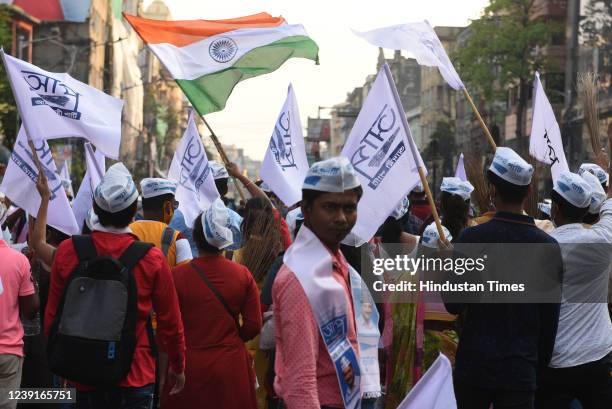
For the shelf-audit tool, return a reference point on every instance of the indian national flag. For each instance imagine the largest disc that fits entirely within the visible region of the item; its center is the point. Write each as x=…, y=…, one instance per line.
x=207, y=58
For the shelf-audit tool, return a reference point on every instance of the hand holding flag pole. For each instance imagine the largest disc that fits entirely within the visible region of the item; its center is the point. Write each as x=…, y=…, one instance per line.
x=413, y=150
x=223, y=155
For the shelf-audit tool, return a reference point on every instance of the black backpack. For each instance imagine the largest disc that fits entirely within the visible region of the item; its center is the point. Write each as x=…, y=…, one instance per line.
x=93, y=337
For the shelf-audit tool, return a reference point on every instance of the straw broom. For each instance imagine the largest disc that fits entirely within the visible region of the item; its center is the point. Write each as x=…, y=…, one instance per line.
x=531, y=205
x=475, y=175
x=262, y=243
x=587, y=95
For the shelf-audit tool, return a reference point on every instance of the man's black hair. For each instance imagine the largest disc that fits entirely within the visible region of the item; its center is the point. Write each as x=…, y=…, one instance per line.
x=221, y=186
x=309, y=195
x=200, y=240
x=156, y=203
x=572, y=213
x=119, y=219
x=590, y=218
x=509, y=193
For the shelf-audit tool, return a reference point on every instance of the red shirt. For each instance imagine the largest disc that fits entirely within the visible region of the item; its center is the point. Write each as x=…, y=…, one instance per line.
x=305, y=374
x=155, y=291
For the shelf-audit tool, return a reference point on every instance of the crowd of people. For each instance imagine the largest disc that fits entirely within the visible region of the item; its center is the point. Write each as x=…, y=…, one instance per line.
x=143, y=311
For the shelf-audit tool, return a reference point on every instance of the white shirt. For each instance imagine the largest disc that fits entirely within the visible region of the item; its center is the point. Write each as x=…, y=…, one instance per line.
x=585, y=330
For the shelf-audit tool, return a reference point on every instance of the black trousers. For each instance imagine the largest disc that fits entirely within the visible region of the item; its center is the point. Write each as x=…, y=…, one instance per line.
x=473, y=397
x=589, y=383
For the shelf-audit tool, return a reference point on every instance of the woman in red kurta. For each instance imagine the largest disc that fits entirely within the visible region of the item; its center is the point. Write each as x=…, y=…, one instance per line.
x=218, y=368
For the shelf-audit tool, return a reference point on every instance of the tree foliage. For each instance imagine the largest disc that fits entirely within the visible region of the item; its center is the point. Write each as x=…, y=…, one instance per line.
x=501, y=51
x=596, y=32
x=8, y=112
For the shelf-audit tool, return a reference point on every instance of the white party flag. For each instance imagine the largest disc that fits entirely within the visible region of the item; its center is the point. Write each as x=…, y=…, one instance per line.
x=420, y=40
x=380, y=148
x=55, y=105
x=66, y=180
x=96, y=168
x=545, y=142
x=460, y=171
x=19, y=184
x=285, y=165
x=434, y=390
x=196, y=188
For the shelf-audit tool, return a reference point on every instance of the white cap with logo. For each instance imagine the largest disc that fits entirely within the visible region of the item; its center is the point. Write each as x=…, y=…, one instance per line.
x=573, y=188
x=217, y=225
x=117, y=191
x=430, y=236
x=596, y=170
x=509, y=166
x=218, y=170
x=401, y=209
x=331, y=175
x=457, y=186
x=544, y=208
x=598, y=195
x=152, y=187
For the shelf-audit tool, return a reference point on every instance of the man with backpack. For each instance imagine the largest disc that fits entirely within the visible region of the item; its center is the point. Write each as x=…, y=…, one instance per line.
x=158, y=205
x=102, y=291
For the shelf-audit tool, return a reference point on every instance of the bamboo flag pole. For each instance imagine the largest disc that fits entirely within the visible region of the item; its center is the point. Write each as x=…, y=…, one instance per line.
x=482, y=123
x=223, y=155
x=414, y=151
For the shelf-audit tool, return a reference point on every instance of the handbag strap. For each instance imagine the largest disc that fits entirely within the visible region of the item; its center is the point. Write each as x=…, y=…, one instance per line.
x=216, y=293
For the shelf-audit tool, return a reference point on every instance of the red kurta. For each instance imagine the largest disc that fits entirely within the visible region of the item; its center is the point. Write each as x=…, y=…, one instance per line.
x=218, y=372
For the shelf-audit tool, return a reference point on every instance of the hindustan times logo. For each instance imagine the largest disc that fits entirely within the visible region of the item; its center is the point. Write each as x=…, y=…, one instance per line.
x=404, y=263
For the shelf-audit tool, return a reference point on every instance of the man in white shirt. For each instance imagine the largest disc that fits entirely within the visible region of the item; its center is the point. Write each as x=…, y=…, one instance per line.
x=581, y=364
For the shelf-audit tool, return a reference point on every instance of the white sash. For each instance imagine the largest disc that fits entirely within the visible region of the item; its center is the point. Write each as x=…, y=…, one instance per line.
x=311, y=262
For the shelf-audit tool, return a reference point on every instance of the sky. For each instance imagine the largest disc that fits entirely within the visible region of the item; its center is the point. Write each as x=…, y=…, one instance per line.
x=345, y=59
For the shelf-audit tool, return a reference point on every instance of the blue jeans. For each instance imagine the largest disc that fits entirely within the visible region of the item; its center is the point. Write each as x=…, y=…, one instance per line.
x=116, y=398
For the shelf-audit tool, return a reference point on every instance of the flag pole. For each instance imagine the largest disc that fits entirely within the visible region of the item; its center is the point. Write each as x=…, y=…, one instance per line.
x=223, y=155
x=413, y=149
x=482, y=123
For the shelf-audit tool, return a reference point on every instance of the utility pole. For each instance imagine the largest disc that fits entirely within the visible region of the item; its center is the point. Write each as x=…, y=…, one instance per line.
x=571, y=131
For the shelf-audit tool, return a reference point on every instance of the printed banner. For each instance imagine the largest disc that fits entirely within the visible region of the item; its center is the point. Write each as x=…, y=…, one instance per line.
x=368, y=335
x=196, y=189
x=55, y=105
x=380, y=149
x=19, y=184
x=285, y=165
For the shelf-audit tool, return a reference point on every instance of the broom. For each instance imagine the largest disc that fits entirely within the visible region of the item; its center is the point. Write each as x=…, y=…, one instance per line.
x=587, y=94
x=531, y=205
x=475, y=175
x=262, y=242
